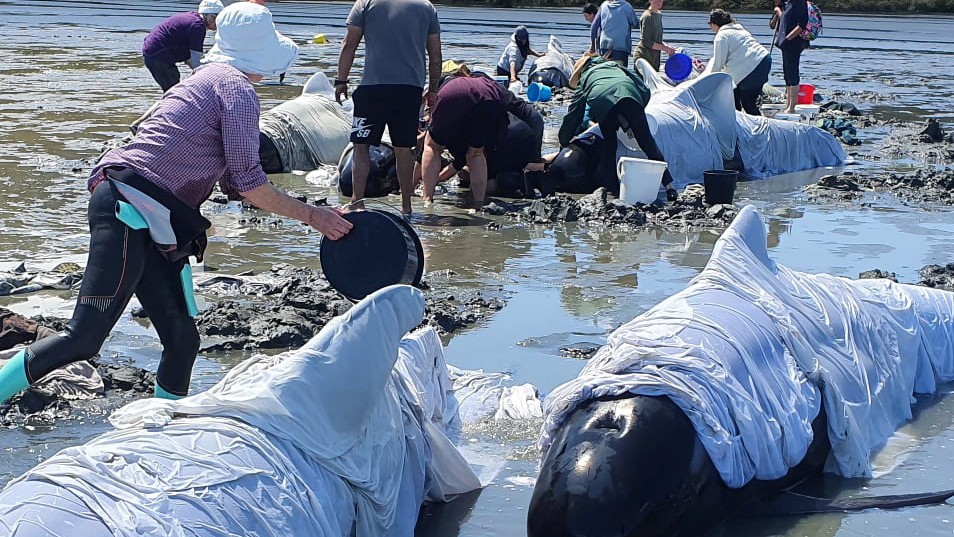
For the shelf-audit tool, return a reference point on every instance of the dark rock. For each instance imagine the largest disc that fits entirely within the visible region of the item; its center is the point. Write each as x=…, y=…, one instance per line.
x=598, y=208
x=580, y=351
x=125, y=377
x=937, y=276
x=932, y=132
x=878, y=274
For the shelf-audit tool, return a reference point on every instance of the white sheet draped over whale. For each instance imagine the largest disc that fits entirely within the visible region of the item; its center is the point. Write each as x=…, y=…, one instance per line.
x=697, y=127
x=348, y=430
x=751, y=349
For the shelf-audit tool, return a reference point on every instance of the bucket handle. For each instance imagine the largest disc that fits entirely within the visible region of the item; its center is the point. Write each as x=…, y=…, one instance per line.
x=619, y=168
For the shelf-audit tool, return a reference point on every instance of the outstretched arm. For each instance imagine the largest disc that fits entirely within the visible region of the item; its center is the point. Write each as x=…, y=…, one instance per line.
x=327, y=220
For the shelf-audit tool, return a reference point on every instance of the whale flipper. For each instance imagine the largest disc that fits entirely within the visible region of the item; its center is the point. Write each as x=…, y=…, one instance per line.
x=793, y=503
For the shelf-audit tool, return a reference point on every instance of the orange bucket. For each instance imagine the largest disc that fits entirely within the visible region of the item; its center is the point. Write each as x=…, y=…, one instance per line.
x=806, y=94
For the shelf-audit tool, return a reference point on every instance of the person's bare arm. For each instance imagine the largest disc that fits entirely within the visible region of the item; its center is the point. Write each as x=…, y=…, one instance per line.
x=434, y=61
x=327, y=220
x=346, y=59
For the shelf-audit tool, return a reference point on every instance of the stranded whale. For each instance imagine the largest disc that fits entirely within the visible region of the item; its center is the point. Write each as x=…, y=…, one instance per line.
x=732, y=390
x=344, y=434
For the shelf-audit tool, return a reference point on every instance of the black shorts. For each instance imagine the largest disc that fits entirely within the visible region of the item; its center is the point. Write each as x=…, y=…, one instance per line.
x=484, y=125
x=395, y=105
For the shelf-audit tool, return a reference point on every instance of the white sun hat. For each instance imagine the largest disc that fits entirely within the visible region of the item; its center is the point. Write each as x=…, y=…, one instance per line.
x=210, y=7
x=246, y=39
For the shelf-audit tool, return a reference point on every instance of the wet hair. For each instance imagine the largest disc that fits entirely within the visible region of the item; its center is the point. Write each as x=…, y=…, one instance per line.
x=720, y=17
x=590, y=8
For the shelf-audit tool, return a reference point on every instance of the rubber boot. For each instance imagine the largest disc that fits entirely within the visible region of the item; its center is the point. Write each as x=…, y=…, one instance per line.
x=13, y=378
x=163, y=394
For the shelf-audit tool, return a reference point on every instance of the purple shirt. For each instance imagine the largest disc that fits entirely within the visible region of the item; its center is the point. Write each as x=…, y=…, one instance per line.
x=174, y=37
x=204, y=131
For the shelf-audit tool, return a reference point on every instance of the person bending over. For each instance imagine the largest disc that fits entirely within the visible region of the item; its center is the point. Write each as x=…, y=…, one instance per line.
x=144, y=214
x=470, y=112
x=177, y=39
x=616, y=99
x=737, y=53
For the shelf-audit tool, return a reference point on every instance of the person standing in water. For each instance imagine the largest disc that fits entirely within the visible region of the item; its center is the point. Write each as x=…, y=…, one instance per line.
x=178, y=39
x=590, y=11
x=616, y=21
x=515, y=54
x=144, y=214
x=792, y=19
x=397, y=33
x=651, y=36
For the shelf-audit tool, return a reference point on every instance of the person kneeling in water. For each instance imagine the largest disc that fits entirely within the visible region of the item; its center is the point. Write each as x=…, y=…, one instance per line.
x=144, y=214
x=616, y=98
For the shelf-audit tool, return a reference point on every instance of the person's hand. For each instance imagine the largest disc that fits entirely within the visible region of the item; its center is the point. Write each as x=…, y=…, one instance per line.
x=430, y=98
x=329, y=222
x=670, y=50
x=341, y=88
x=671, y=193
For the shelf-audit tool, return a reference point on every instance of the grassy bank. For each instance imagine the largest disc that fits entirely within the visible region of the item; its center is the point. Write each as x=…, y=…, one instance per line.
x=747, y=6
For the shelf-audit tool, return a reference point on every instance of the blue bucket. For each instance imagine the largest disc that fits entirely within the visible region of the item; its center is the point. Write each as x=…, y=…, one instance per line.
x=538, y=92
x=678, y=67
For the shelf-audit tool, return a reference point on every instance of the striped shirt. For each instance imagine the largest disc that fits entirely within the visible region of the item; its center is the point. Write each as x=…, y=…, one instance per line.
x=204, y=131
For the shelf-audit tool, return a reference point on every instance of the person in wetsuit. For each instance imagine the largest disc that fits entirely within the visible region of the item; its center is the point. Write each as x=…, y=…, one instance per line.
x=144, y=214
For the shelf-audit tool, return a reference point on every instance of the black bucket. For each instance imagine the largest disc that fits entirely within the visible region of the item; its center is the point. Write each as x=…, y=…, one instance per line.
x=380, y=250
x=720, y=186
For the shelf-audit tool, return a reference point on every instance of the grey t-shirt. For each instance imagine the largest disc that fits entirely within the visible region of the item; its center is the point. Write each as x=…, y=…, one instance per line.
x=395, y=39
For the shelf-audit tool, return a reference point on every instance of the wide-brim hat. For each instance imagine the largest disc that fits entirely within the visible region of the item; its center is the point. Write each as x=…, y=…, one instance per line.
x=579, y=67
x=246, y=39
x=210, y=7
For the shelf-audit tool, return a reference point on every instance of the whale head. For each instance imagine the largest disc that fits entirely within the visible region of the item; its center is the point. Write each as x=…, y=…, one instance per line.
x=625, y=467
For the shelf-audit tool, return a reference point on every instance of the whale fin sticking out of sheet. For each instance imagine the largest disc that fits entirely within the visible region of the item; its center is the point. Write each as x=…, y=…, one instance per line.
x=346, y=432
x=744, y=379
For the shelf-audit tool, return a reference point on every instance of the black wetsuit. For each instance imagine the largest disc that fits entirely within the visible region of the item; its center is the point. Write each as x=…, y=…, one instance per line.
x=122, y=262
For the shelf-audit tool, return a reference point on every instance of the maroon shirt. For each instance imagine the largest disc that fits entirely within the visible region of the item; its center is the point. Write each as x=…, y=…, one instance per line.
x=204, y=131
x=174, y=37
x=455, y=102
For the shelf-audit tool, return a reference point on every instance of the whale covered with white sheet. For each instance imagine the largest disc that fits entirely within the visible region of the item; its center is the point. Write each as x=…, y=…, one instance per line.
x=348, y=433
x=697, y=128
x=768, y=370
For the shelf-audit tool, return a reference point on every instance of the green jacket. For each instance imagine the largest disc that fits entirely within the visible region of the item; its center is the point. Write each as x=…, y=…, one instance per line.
x=601, y=87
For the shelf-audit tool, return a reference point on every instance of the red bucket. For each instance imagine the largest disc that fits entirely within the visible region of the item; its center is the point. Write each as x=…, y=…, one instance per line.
x=806, y=94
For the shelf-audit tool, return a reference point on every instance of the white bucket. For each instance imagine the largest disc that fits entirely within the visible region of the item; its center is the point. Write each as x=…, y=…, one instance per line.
x=639, y=179
x=788, y=117
x=807, y=111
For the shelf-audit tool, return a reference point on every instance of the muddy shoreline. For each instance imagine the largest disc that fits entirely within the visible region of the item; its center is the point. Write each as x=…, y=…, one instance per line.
x=282, y=308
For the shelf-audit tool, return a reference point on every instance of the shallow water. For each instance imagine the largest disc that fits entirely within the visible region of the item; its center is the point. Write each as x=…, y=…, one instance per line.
x=71, y=79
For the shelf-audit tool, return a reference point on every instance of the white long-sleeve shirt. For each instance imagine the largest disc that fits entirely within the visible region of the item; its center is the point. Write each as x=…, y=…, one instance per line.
x=736, y=52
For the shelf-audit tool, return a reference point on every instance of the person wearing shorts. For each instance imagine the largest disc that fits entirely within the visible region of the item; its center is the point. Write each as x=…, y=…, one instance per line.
x=470, y=112
x=397, y=33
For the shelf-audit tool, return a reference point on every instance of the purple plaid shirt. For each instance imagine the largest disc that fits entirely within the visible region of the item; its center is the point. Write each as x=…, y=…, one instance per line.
x=205, y=130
